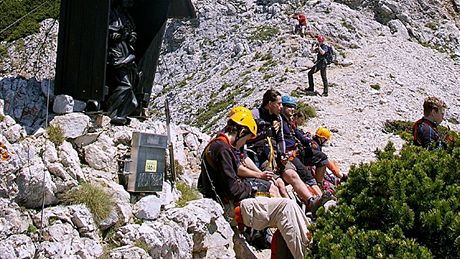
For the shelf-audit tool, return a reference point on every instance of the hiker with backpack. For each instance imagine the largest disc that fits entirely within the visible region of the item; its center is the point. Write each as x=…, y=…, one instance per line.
x=324, y=57
x=264, y=181
x=219, y=181
x=425, y=130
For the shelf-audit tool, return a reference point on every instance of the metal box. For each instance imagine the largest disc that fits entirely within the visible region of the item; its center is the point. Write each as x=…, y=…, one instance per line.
x=148, y=156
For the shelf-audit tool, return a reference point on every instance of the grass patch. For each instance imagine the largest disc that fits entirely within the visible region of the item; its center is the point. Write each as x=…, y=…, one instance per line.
x=268, y=76
x=308, y=110
x=178, y=167
x=188, y=194
x=348, y=26
x=400, y=128
x=453, y=121
x=182, y=83
x=375, y=86
x=432, y=25
x=32, y=229
x=264, y=33
x=142, y=244
x=55, y=134
x=99, y=202
x=225, y=86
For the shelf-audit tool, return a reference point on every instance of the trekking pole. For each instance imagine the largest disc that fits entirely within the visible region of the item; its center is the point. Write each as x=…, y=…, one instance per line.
x=172, y=166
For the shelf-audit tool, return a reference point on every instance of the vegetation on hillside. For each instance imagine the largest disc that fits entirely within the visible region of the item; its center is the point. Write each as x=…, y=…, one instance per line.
x=404, y=205
x=22, y=17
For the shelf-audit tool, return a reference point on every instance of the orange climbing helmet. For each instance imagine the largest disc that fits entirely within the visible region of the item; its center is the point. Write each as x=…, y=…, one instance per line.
x=323, y=133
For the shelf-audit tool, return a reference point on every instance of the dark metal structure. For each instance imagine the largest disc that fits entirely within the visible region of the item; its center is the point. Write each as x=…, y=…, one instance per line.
x=82, y=44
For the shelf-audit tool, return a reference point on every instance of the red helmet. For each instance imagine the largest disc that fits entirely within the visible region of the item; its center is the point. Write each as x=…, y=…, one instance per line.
x=320, y=38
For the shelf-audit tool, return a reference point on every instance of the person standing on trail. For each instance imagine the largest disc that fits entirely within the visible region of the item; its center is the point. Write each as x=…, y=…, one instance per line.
x=425, y=130
x=219, y=181
x=320, y=65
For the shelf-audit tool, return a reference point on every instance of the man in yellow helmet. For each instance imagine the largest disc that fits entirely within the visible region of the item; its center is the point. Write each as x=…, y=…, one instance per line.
x=219, y=180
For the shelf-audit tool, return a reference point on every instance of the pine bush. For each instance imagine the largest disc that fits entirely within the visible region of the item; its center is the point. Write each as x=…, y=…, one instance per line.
x=24, y=16
x=404, y=205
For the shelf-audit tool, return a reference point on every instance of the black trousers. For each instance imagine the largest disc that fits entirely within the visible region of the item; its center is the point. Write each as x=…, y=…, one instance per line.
x=318, y=67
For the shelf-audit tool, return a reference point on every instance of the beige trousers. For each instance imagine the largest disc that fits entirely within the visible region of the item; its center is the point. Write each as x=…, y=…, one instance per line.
x=281, y=213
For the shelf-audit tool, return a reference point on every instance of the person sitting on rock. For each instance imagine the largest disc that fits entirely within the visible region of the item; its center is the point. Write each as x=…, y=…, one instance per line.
x=268, y=145
x=295, y=141
x=219, y=181
x=264, y=181
x=425, y=131
x=322, y=136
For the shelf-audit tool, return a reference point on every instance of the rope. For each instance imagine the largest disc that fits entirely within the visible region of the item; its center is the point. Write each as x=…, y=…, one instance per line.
x=20, y=19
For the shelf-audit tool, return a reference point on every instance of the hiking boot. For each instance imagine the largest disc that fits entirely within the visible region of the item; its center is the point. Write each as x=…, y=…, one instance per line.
x=314, y=204
x=325, y=94
x=310, y=89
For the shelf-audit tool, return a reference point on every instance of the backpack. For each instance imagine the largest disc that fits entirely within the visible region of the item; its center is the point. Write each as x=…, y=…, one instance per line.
x=330, y=55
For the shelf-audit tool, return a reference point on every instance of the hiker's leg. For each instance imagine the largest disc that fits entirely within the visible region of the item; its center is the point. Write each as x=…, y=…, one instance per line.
x=291, y=177
x=281, y=187
x=324, y=78
x=319, y=173
x=284, y=214
x=311, y=83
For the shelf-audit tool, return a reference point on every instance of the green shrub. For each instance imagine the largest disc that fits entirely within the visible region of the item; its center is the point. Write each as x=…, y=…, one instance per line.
x=375, y=86
x=99, y=202
x=308, y=110
x=264, y=33
x=401, y=128
x=56, y=134
x=401, y=206
x=188, y=194
x=3, y=51
x=33, y=11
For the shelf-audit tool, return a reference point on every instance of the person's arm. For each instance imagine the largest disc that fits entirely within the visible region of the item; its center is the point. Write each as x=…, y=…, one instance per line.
x=301, y=137
x=249, y=169
x=322, y=49
x=235, y=188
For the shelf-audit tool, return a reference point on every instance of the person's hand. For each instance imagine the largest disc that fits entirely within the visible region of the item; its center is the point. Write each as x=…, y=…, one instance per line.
x=266, y=175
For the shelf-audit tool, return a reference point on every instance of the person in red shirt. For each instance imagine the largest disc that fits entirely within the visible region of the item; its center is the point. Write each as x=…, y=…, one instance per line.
x=301, y=26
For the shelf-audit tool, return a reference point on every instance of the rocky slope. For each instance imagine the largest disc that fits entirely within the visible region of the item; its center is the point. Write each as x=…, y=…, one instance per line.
x=238, y=49
x=229, y=55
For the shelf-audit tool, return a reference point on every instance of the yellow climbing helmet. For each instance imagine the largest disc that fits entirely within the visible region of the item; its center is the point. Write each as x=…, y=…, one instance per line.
x=244, y=118
x=323, y=133
x=238, y=109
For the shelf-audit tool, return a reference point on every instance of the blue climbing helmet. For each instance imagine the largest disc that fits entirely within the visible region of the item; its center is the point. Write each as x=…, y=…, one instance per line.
x=289, y=101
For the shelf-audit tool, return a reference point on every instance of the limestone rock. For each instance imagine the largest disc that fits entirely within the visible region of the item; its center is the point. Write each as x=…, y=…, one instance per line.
x=129, y=252
x=101, y=154
x=17, y=246
x=73, y=124
x=63, y=104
